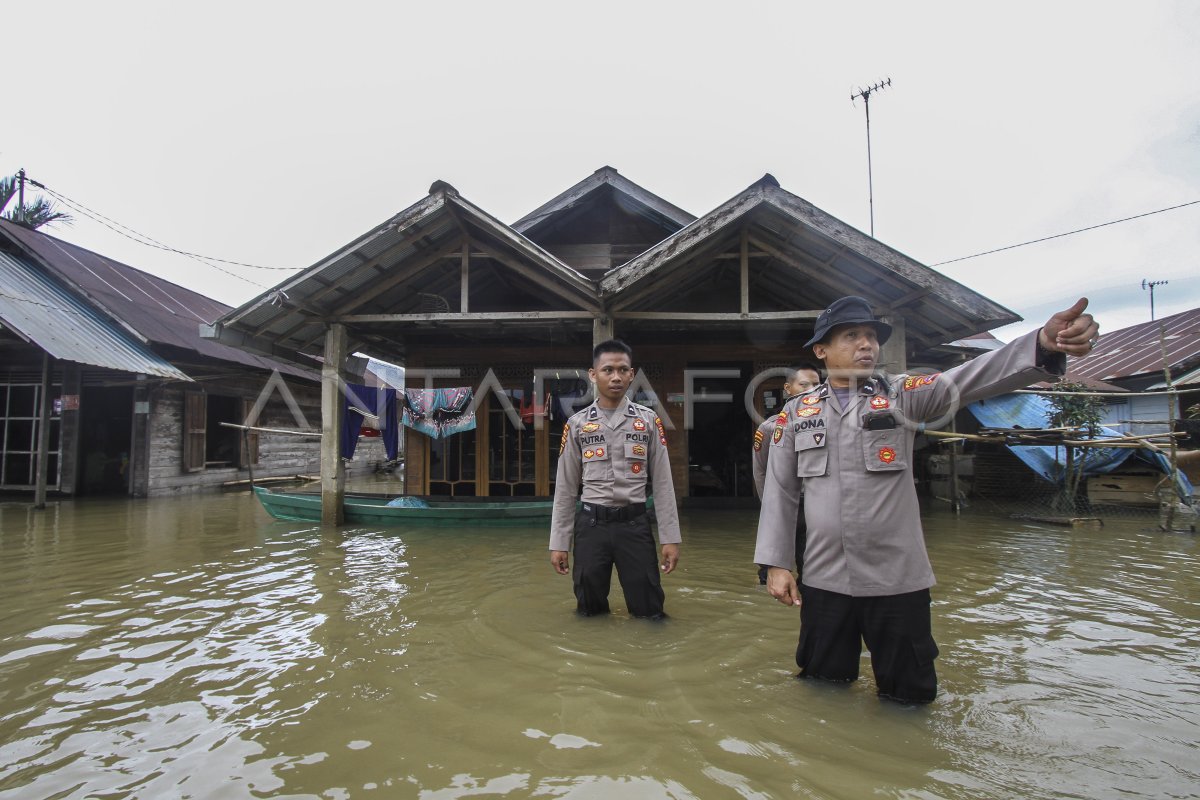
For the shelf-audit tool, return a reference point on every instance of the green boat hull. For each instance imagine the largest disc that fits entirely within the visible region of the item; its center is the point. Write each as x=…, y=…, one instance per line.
x=443, y=513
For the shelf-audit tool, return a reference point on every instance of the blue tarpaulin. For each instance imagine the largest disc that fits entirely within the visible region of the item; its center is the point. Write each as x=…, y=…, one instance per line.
x=1032, y=411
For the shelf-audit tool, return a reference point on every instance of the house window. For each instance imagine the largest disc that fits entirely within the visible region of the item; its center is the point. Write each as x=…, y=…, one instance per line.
x=20, y=410
x=207, y=444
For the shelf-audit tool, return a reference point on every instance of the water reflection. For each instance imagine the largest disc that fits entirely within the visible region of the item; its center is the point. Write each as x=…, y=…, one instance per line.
x=192, y=648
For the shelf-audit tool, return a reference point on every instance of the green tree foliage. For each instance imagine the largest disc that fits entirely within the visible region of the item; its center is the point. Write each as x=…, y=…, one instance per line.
x=32, y=215
x=1081, y=412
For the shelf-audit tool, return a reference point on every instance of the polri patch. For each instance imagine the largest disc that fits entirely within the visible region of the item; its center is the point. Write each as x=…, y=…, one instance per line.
x=599, y=452
x=887, y=455
x=635, y=467
x=777, y=436
x=879, y=401
x=639, y=424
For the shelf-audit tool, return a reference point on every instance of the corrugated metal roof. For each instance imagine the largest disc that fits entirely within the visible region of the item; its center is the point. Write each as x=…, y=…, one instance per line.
x=68, y=328
x=1137, y=350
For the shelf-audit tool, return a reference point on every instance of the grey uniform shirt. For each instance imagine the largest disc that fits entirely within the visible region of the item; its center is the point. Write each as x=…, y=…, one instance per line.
x=864, y=527
x=613, y=460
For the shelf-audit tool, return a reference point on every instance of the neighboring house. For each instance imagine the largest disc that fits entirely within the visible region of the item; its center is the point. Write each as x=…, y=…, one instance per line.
x=710, y=304
x=138, y=397
x=1133, y=359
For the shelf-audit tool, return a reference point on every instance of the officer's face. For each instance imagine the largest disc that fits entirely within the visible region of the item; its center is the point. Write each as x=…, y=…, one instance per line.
x=612, y=374
x=852, y=351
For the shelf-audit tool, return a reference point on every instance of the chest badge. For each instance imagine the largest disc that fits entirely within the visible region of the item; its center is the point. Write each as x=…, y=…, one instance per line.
x=639, y=424
x=818, y=438
x=807, y=412
x=778, y=434
x=879, y=402
x=639, y=449
x=811, y=400
x=635, y=467
x=887, y=455
x=589, y=427
x=589, y=453
x=599, y=452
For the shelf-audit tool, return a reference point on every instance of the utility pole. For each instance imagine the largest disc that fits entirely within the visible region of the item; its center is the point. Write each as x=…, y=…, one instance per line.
x=1150, y=285
x=865, y=94
x=21, y=193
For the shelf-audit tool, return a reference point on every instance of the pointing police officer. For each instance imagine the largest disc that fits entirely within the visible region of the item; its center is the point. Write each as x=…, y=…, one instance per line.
x=616, y=449
x=849, y=444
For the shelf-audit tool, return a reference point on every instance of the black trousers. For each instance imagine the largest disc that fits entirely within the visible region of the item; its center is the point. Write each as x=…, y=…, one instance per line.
x=801, y=541
x=627, y=544
x=895, y=628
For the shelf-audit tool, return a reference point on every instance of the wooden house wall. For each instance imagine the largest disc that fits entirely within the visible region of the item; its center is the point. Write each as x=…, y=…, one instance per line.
x=663, y=363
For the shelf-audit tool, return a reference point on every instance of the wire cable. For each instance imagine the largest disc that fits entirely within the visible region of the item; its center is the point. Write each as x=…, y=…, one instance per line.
x=1068, y=233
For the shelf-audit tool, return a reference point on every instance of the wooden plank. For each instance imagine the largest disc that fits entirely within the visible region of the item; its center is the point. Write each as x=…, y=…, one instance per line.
x=718, y=316
x=43, y=439
x=478, y=316
x=464, y=304
x=744, y=283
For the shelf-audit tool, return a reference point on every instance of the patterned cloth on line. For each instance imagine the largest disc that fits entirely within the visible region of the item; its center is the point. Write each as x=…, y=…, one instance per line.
x=438, y=413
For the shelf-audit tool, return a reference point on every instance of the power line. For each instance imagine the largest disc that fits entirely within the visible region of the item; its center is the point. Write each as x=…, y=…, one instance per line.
x=142, y=238
x=1068, y=233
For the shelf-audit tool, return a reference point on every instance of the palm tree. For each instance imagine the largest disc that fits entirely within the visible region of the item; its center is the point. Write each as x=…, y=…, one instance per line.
x=32, y=215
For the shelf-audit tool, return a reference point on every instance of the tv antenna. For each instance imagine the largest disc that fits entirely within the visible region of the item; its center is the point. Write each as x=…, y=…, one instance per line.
x=865, y=94
x=1150, y=285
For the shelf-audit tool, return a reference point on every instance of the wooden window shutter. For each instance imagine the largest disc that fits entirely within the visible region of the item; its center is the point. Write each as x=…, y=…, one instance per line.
x=248, y=448
x=195, y=429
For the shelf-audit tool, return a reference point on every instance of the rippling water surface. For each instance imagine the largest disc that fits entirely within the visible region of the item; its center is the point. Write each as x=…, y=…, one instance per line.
x=196, y=648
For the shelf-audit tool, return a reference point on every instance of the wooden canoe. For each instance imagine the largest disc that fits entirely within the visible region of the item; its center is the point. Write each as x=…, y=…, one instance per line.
x=365, y=509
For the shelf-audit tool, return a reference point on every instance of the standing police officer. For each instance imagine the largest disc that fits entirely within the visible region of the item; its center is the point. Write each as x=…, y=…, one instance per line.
x=850, y=445
x=615, y=447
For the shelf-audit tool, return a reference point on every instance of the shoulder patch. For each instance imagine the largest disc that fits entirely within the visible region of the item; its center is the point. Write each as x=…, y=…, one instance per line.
x=662, y=434
x=917, y=381
x=562, y=445
x=758, y=440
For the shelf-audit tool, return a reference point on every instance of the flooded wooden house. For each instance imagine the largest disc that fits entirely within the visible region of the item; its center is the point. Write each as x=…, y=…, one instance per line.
x=714, y=307
x=108, y=362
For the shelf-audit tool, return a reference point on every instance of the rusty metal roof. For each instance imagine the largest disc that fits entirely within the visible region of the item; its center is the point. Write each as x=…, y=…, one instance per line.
x=1138, y=349
x=40, y=310
x=147, y=307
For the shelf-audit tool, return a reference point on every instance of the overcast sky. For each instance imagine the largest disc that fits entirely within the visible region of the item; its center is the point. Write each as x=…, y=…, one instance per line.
x=274, y=133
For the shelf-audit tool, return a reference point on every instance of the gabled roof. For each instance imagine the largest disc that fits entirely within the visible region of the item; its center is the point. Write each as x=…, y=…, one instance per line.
x=40, y=310
x=1137, y=350
x=668, y=216
x=149, y=308
x=805, y=258
x=410, y=264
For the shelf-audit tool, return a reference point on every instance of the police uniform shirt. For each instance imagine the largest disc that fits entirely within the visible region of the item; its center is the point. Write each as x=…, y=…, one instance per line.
x=761, y=452
x=613, y=459
x=864, y=527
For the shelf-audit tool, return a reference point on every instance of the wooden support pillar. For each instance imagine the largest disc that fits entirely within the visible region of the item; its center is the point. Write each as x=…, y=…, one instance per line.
x=602, y=330
x=68, y=431
x=745, y=272
x=333, y=473
x=138, y=470
x=43, y=439
x=893, y=356
x=465, y=287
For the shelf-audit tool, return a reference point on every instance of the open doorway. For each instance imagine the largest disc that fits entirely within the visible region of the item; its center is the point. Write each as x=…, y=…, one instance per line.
x=719, y=442
x=105, y=435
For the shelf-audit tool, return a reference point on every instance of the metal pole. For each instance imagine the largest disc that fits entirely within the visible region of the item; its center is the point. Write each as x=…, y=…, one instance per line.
x=865, y=94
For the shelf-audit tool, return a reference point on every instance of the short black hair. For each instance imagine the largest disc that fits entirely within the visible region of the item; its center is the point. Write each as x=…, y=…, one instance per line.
x=611, y=346
x=799, y=365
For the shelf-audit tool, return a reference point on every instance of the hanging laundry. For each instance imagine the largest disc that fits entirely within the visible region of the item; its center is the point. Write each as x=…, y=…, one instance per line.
x=438, y=413
x=358, y=398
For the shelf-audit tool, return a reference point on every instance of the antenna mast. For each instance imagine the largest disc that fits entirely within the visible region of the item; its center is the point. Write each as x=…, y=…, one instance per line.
x=865, y=94
x=1150, y=285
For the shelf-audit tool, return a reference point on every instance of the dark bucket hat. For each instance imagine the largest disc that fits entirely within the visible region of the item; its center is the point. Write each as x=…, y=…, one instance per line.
x=851, y=310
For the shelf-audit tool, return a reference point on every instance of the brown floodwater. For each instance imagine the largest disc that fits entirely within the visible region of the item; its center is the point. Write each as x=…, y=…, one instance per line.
x=193, y=647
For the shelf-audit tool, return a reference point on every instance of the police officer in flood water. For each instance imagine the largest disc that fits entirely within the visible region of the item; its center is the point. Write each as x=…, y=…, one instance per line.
x=614, y=446
x=850, y=445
